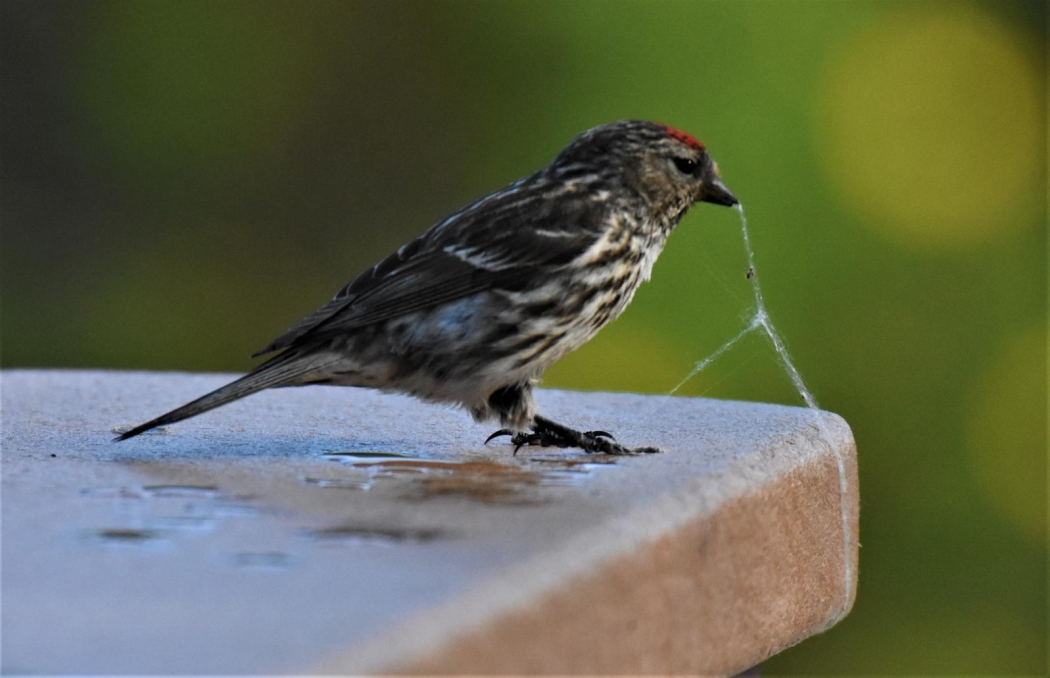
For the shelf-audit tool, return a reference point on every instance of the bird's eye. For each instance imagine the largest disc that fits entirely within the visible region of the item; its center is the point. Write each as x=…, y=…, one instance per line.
x=685, y=165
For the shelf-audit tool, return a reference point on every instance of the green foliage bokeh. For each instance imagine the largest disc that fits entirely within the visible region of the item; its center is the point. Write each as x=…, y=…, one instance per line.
x=182, y=180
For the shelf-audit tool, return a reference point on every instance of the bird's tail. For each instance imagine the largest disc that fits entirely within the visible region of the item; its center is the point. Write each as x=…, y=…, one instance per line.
x=285, y=369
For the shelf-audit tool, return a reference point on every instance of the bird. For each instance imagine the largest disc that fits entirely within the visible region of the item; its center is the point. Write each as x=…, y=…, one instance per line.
x=472, y=311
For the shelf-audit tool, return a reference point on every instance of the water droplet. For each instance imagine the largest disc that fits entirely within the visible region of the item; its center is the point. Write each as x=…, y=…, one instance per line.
x=184, y=523
x=360, y=534
x=182, y=491
x=264, y=560
x=350, y=455
x=128, y=538
x=128, y=534
x=114, y=492
x=338, y=483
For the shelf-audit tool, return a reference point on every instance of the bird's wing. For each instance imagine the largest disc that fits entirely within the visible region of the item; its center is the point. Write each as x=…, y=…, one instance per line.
x=502, y=246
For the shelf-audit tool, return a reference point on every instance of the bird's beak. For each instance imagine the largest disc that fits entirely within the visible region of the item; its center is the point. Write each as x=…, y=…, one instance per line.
x=713, y=190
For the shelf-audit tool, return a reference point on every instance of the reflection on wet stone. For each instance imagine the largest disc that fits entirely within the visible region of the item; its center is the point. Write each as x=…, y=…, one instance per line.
x=480, y=480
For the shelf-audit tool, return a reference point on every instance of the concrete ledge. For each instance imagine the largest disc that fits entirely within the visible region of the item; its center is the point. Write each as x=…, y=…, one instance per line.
x=327, y=530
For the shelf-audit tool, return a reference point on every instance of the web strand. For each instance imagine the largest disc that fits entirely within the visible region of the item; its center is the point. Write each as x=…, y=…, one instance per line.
x=699, y=367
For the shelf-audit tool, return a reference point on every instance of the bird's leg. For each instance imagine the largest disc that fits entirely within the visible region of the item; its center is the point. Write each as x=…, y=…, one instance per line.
x=514, y=404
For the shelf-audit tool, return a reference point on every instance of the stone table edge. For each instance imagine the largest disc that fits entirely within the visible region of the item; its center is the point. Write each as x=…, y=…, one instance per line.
x=420, y=644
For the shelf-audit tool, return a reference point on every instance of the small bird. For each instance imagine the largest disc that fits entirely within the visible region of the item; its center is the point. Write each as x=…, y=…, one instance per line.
x=474, y=310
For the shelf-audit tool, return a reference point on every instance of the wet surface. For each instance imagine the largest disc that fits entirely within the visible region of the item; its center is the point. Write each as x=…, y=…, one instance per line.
x=151, y=516
x=164, y=519
x=477, y=480
x=160, y=516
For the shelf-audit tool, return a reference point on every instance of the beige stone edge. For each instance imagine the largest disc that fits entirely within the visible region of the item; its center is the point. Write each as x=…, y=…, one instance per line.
x=744, y=564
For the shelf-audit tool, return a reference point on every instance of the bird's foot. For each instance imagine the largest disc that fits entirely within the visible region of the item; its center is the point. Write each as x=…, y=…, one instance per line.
x=547, y=433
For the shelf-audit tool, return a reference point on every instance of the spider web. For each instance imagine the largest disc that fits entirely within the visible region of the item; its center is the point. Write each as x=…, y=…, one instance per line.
x=761, y=322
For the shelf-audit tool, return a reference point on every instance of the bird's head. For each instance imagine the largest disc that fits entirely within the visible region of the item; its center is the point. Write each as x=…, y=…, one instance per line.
x=669, y=169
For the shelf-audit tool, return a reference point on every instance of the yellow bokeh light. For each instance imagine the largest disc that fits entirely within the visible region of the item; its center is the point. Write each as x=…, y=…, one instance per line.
x=929, y=124
x=1007, y=436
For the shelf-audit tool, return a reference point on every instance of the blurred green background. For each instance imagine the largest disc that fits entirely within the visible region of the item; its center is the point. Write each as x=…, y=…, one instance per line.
x=182, y=180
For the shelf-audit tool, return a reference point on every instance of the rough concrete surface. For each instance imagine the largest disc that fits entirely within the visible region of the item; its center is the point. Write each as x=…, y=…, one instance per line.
x=335, y=530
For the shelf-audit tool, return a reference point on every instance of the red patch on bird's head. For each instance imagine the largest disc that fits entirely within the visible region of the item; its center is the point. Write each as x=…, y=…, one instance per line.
x=686, y=138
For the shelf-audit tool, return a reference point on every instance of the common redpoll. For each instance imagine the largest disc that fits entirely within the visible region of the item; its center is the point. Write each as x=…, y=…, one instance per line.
x=473, y=311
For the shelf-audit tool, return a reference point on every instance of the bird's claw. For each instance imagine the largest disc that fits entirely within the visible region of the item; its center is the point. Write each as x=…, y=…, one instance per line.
x=497, y=434
x=519, y=439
